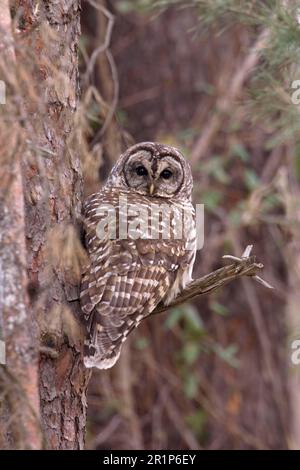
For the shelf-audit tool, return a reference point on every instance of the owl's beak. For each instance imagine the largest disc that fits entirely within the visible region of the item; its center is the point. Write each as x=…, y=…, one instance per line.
x=151, y=189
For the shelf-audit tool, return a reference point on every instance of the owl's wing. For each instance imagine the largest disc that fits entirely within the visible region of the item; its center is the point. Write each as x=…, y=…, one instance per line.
x=125, y=281
x=117, y=295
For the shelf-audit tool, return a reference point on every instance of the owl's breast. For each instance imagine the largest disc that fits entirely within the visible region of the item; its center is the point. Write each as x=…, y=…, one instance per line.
x=146, y=231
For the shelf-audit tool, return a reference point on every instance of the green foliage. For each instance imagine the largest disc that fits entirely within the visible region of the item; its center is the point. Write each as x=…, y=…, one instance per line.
x=190, y=317
x=211, y=199
x=218, y=308
x=141, y=343
x=235, y=215
x=190, y=385
x=215, y=167
x=251, y=179
x=227, y=354
x=173, y=317
x=238, y=150
x=93, y=116
x=197, y=422
x=122, y=117
x=194, y=342
x=269, y=90
x=190, y=352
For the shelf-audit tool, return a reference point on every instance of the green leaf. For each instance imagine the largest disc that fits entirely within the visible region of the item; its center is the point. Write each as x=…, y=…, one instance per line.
x=211, y=199
x=190, y=386
x=122, y=116
x=173, y=317
x=239, y=151
x=141, y=343
x=218, y=308
x=125, y=6
x=235, y=216
x=227, y=354
x=251, y=179
x=193, y=318
x=197, y=421
x=190, y=352
x=215, y=168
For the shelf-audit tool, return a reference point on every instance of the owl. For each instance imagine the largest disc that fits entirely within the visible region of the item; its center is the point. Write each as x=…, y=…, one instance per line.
x=140, y=237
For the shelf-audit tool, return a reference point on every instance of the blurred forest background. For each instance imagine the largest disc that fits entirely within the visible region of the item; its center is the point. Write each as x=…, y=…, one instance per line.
x=215, y=79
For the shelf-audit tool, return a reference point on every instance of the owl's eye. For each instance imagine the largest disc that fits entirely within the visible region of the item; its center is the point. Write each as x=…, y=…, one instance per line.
x=141, y=171
x=166, y=174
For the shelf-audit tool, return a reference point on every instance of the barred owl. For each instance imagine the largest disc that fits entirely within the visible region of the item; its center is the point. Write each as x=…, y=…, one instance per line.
x=141, y=240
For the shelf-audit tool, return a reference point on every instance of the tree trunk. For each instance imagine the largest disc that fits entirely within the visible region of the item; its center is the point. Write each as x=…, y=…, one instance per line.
x=19, y=379
x=46, y=42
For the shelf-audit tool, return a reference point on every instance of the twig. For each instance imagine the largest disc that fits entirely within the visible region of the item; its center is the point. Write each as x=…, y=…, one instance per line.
x=244, y=266
x=105, y=45
x=114, y=103
x=104, y=48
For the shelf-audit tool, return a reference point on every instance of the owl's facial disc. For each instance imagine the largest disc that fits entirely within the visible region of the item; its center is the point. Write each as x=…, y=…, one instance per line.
x=153, y=175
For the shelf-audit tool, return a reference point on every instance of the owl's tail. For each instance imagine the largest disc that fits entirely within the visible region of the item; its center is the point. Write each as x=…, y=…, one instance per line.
x=96, y=355
x=97, y=360
x=103, y=345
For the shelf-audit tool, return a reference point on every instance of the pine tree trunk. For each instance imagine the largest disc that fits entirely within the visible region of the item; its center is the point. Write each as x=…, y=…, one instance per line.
x=46, y=43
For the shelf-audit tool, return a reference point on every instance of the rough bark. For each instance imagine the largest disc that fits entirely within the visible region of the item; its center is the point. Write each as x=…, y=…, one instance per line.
x=46, y=37
x=63, y=380
x=19, y=379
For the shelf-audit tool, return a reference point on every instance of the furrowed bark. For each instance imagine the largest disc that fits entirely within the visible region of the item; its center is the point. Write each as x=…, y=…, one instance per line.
x=19, y=377
x=46, y=54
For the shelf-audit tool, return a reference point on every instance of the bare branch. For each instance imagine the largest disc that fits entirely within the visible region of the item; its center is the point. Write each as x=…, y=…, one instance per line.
x=244, y=266
x=104, y=48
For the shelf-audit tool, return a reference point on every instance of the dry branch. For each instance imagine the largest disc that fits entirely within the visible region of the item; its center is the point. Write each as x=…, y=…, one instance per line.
x=244, y=266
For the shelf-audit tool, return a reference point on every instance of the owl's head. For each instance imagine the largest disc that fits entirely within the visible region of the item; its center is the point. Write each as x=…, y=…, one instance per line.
x=154, y=170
